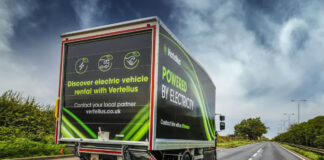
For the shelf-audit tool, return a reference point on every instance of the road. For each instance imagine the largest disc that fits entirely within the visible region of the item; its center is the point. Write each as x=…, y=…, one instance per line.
x=258, y=151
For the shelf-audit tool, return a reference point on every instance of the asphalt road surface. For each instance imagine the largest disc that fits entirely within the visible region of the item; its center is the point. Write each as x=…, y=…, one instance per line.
x=258, y=151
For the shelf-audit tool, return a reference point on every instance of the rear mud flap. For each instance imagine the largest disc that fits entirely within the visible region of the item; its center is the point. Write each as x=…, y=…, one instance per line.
x=210, y=155
x=137, y=155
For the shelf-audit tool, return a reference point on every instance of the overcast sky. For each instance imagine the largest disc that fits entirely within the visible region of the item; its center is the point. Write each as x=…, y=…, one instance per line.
x=259, y=53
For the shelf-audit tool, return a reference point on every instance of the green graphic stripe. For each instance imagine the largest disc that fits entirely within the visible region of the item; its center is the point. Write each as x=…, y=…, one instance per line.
x=93, y=135
x=198, y=96
x=204, y=109
x=143, y=111
x=66, y=133
x=71, y=130
x=201, y=100
x=70, y=125
x=138, y=124
x=207, y=123
x=134, y=127
x=198, y=89
x=68, y=130
x=196, y=93
x=141, y=132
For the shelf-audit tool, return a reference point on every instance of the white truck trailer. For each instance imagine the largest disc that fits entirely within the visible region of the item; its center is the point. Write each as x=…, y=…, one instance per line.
x=132, y=91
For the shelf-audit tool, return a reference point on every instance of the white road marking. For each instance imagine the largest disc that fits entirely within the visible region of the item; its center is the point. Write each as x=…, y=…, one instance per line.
x=291, y=152
x=256, y=153
x=260, y=150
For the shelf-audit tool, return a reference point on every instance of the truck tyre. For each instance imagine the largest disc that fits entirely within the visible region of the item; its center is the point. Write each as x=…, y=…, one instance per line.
x=85, y=157
x=186, y=156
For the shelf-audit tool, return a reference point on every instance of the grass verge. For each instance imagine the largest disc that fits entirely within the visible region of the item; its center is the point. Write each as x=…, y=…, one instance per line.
x=235, y=143
x=306, y=153
x=23, y=147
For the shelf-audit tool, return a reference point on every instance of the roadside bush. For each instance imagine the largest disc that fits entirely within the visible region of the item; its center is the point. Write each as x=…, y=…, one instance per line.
x=221, y=139
x=310, y=133
x=26, y=127
x=23, y=147
x=24, y=118
x=231, y=141
x=319, y=141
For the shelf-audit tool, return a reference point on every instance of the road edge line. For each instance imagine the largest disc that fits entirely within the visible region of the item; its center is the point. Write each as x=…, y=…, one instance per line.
x=291, y=152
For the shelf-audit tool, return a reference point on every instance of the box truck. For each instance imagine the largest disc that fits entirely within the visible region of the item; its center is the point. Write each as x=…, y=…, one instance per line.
x=132, y=91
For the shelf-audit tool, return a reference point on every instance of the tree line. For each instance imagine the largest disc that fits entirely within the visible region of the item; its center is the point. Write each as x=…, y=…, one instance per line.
x=310, y=133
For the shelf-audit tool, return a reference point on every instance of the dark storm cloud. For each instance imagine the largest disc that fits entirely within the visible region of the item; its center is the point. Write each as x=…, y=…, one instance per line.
x=278, y=10
x=259, y=13
x=43, y=24
x=260, y=53
x=91, y=13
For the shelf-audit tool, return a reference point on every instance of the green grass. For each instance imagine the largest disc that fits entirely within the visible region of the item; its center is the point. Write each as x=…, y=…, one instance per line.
x=23, y=147
x=303, y=152
x=231, y=142
x=235, y=143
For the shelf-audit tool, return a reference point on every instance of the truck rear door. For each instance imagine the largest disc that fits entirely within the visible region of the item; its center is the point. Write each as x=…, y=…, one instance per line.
x=106, y=86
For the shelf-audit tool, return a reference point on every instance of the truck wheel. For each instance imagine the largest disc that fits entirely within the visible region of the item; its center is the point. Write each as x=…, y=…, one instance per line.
x=85, y=157
x=186, y=156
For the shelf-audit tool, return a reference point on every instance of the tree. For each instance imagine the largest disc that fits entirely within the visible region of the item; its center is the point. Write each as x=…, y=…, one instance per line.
x=253, y=127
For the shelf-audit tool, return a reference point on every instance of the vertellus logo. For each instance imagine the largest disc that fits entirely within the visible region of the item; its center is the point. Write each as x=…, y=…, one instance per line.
x=172, y=55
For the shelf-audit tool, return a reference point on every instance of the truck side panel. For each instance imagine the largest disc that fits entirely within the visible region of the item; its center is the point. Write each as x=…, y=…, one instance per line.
x=186, y=96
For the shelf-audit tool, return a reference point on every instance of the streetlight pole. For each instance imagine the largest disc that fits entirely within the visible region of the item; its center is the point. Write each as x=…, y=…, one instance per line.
x=298, y=105
x=289, y=114
x=283, y=125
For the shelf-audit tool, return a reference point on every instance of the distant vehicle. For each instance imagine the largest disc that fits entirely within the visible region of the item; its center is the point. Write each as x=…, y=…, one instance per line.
x=131, y=91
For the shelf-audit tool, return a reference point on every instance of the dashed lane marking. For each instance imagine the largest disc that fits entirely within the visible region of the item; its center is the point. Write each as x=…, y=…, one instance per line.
x=256, y=153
